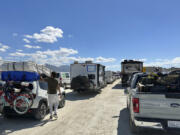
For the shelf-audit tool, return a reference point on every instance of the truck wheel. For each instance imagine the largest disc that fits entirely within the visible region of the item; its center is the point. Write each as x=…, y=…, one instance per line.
x=62, y=102
x=133, y=127
x=41, y=111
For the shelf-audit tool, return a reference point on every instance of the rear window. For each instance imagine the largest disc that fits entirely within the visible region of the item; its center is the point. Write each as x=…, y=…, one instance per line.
x=67, y=75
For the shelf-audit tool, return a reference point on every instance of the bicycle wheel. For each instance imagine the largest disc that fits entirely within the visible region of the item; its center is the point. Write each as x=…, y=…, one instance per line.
x=30, y=98
x=21, y=105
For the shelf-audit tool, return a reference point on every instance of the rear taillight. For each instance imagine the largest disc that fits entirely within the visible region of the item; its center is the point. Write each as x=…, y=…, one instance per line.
x=135, y=102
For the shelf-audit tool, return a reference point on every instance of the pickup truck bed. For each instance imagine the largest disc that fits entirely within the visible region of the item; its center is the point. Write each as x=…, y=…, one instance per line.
x=153, y=110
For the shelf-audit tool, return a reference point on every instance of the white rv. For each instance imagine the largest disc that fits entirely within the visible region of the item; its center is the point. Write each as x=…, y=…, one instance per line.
x=109, y=77
x=87, y=76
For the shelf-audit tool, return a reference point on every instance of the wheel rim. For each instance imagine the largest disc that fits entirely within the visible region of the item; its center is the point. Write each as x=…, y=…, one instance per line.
x=21, y=105
x=42, y=110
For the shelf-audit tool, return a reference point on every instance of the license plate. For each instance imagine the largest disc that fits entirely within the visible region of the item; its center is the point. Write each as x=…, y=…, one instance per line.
x=174, y=124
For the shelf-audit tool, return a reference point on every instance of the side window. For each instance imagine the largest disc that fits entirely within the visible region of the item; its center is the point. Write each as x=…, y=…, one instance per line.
x=43, y=85
x=67, y=75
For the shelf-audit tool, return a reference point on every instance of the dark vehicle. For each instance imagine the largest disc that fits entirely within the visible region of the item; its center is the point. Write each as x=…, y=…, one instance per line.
x=128, y=67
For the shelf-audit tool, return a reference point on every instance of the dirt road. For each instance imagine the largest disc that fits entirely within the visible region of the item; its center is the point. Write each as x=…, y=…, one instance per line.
x=84, y=114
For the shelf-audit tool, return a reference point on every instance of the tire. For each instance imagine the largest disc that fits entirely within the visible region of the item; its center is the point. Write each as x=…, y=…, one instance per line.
x=134, y=129
x=62, y=102
x=5, y=114
x=41, y=111
x=23, y=109
x=30, y=98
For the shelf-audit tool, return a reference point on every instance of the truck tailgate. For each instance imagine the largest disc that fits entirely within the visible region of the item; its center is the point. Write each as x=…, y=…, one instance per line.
x=159, y=106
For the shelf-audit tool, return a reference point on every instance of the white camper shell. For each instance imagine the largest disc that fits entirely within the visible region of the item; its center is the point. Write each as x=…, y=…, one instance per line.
x=95, y=73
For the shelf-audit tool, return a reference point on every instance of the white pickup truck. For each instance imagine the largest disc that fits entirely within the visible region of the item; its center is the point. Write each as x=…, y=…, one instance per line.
x=157, y=110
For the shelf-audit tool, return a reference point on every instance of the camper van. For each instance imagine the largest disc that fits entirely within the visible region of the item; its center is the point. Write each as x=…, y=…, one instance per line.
x=109, y=77
x=65, y=79
x=87, y=76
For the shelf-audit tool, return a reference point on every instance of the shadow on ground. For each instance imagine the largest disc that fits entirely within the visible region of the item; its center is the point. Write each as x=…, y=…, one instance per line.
x=118, y=86
x=74, y=96
x=17, y=123
x=124, y=129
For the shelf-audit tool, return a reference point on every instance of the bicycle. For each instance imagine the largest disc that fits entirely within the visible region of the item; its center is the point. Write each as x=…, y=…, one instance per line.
x=20, y=100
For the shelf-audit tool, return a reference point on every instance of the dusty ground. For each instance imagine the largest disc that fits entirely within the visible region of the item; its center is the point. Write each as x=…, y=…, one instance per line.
x=84, y=114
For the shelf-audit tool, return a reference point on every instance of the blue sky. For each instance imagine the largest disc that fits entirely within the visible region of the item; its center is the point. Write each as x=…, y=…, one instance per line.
x=105, y=31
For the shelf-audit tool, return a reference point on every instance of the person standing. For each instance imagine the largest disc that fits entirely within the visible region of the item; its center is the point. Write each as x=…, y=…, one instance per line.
x=53, y=98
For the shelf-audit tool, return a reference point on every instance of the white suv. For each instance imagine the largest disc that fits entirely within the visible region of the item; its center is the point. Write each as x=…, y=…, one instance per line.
x=40, y=105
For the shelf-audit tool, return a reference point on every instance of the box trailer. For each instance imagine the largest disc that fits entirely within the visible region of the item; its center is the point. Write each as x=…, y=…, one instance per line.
x=87, y=76
x=128, y=67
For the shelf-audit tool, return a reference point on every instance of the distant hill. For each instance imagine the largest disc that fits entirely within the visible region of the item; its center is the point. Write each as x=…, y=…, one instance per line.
x=63, y=68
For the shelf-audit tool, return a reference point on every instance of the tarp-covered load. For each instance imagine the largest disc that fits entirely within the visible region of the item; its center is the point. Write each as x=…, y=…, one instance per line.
x=160, y=83
x=22, y=71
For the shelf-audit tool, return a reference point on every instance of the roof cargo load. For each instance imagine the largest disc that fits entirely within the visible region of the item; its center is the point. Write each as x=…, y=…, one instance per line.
x=22, y=71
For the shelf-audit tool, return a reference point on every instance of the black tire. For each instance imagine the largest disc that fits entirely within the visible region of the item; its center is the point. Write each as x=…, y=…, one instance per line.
x=62, y=102
x=41, y=111
x=5, y=114
x=134, y=129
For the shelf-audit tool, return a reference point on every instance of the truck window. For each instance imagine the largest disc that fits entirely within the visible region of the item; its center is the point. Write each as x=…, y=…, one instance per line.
x=67, y=75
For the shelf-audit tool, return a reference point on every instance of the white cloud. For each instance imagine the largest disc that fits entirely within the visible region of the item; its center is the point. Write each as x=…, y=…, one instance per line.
x=175, y=62
x=47, y=35
x=32, y=47
x=116, y=67
x=19, y=50
x=19, y=54
x=105, y=60
x=3, y=47
x=54, y=57
x=57, y=57
x=15, y=34
x=26, y=40
x=70, y=36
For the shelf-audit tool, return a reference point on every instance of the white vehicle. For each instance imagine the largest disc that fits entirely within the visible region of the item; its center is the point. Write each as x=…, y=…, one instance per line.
x=35, y=100
x=109, y=77
x=40, y=103
x=87, y=76
x=65, y=79
x=157, y=107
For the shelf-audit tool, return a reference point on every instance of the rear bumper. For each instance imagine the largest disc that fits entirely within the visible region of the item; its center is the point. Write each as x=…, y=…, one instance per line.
x=146, y=124
x=152, y=123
